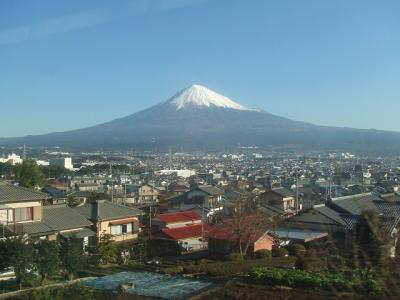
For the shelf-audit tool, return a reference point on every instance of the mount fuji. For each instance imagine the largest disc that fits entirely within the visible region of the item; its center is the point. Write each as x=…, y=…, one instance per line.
x=197, y=118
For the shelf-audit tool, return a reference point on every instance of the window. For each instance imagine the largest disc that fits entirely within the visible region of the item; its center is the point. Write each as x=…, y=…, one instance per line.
x=23, y=214
x=116, y=230
x=121, y=229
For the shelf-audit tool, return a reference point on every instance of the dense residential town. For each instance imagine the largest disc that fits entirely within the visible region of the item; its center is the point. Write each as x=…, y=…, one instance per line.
x=164, y=211
x=199, y=150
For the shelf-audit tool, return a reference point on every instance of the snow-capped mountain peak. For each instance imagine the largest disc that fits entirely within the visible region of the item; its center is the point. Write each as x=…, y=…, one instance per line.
x=200, y=96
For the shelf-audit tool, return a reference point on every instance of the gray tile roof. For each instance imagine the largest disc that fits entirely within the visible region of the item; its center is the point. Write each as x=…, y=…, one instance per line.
x=271, y=210
x=12, y=193
x=330, y=213
x=31, y=228
x=351, y=221
x=107, y=211
x=62, y=217
x=284, y=192
x=390, y=212
x=81, y=233
x=211, y=190
x=298, y=234
x=54, y=218
x=354, y=204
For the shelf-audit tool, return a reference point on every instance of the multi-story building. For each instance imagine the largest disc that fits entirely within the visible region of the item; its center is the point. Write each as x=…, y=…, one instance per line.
x=119, y=221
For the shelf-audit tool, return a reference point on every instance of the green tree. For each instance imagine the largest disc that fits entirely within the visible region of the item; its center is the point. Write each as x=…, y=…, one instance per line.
x=70, y=254
x=47, y=259
x=28, y=174
x=296, y=250
x=54, y=171
x=279, y=252
x=78, y=292
x=21, y=259
x=140, y=249
x=73, y=200
x=374, y=241
x=107, y=249
x=94, y=196
x=4, y=255
x=5, y=168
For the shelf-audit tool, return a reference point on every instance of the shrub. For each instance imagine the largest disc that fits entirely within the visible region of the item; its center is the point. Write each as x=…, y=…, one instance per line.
x=372, y=286
x=173, y=270
x=203, y=261
x=279, y=252
x=311, y=263
x=229, y=268
x=262, y=253
x=234, y=257
x=297, y=250
x=298, y=278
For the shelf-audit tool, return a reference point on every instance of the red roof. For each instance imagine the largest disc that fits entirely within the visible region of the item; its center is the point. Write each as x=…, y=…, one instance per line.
x=185, y=232
x=251, y=230
x=182, y=216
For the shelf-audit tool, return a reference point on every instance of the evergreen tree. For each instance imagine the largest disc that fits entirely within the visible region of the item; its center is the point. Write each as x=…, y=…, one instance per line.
x=21, y=259
x=70, y=253
x=107, y=249
x=47, y=259
x=28, y=174
x=373, y=240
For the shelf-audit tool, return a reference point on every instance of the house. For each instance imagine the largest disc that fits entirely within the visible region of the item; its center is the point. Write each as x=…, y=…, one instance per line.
x=57, y=196
x=224, y=238
x=321, y=218
x=280, y=198
x=22, y=212
x=205, y=197
x=177, y=188
x=287, y=235
x=175, y=220
x=147, y=194
x=75, y=180
x=121, y=222
x=189, y=237
x=19, y=205
x=340, y=216
x=87, y=187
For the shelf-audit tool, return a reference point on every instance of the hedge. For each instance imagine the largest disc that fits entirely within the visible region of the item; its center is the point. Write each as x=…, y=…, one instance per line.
x=279, y=252
x=264, y=253
x=239, y=267
x=303, y=279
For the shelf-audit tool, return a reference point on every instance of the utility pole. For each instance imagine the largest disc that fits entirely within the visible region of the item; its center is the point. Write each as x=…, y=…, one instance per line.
x=112, y=184
x=150, y=209
x=124, y=193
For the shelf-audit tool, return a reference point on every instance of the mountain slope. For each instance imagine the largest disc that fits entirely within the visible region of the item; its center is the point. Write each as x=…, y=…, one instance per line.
x=197, y=118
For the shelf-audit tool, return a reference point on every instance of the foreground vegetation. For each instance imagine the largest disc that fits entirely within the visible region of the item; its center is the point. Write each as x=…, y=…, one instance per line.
x=314, y=280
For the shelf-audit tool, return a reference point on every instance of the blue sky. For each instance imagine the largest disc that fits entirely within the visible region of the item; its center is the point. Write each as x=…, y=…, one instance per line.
x=69, y=64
